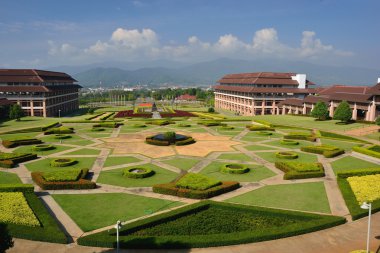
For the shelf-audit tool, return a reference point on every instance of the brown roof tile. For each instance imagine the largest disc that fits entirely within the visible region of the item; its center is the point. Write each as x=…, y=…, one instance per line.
x=261, y=78
x=249, y=89
x=33, y=76
x=291, y=101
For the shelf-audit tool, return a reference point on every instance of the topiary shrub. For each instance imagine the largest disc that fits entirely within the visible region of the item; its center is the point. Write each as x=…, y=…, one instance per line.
x=184, y=125
x=289, y=142
x=42, y=147
x=59, y=130
x=138, y=172
x=139, y=125
x=211, y=109
x=264, y=133
x=234, y=168
x=287, y=155
x=62, y=162
x=97, y=129
x=259, y=128
x=62, y=136
x=227, y=127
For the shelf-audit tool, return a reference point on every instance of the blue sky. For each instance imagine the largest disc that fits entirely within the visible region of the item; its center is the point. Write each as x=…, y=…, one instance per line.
x=47, y=33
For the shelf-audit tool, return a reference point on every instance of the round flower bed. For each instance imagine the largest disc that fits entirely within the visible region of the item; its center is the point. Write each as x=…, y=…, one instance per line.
x=138, y=172
x=62, y=162
x=62, y=136
x=289, y=142
x=227, y=127
x=42, y=147
x=234, y=168
x=265, y=133
x=287, y=155
x=98, y=129
x=165, y=139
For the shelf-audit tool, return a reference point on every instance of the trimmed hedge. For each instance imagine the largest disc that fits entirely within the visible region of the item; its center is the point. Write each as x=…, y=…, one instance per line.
x=234, y=168
x=17, y=188
x=81, y=183
x=9, y=160
x=188, y=141
x=358, y=172
x=62, y=136
x=64, y=175
x=20, y=142
x=171, y=189
x=62, y=162
x=227, y=127
x=184, y=125
x=211, y=123
x=300, y=136
x=129, y=233
x=297, y=170
x=108, y=124
x=263, y=122
x=289, y=142
x=146, y=172
x=286, y=155
x=95, y=116
x=151, y=141
x=325, y=150
x=107, y=116
x=59, y=130
x=139, y=125
x=259, y=128
x=33, y=129
x=366, y=151
x=160, y=122
x=264, y=133
x=42, y=147
x=97, y=129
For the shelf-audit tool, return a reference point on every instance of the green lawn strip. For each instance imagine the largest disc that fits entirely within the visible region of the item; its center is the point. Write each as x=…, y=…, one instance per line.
x=277, y=143
x=118, y=160
x=28, y=149
x=92, y=211
x=290, y=130
x=253, y=139
x=256, y=173
x=197, y=130
x=115, y=177
x=99, y=135
x=26, y=122
x=268, y=137
x=182, y=163
x=373, y=136
x=9, y=178
x=351, y=163
x=258, y=147
x=340, y=144
x=44, y=164
x=302, y=157
x=75, y=140
x=239, y=157
x=84, y=151
x=19, y=136
x=304, y=197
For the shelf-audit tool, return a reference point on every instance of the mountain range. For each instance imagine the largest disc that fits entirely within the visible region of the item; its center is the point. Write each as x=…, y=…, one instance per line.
x=155, y=73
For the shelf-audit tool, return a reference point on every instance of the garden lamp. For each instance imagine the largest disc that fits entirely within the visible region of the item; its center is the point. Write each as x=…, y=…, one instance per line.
x=117, y=227
x=368, y=207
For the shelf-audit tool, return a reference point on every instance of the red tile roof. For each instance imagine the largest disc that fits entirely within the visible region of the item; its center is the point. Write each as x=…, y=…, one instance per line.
x=186, y=97
x=37, y=88
x=344, y=89
x=292, y=101
x=33, y=76
x=249, y=89
x=4, y=101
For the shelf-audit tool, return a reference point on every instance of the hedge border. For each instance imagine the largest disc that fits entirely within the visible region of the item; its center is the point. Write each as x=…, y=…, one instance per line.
x=42, y=147
x=286, y=155
x=290, y=173
x=148, y=172
x=56, y=163
x=20, y=142
x=289, y=142
x=244, y=168
x=62, y=136
x=325, y=152
x=366, y=151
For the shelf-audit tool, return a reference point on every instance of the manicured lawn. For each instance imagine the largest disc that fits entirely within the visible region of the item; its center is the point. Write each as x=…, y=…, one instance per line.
x=253, y=139
x=75, y=140
x=84, y=151
x=349, y=162
x=115, y=177
x=307, y=122
x=256, y=173
x=302, y=157
x=182, y=163
x=28, y=149
x=44, y=165
x=9, y=178
x=340, y=144
x=92, y=211
x=197, y=130
x=258, y=147
x=277, y=143
x=118, y=160
x=304, y=197
x=26, y=122
x=18, y=136
x=373, y=136
x=239, y=157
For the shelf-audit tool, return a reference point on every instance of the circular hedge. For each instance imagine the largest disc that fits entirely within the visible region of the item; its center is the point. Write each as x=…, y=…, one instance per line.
x=287, y=155
x=42, y=147
x=62, y=162
x=138, y=172
x=234, y=168
x=168, y=138
x=289, y=142
x=265, y=133
x=98, y=129
x=62, y=136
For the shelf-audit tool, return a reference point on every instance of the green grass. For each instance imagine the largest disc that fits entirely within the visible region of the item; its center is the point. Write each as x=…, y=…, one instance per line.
x=350, y=162
x=9, y=178
x=252, y=139
x=256, y=173
x=307, y=122
x=92, y=211
x=28, y=149
x=44, y=165
x=84, y=151
x=258, y=147
x=115, y=177
x=18, y=136
x=278, y=144
x=340, y=144
x=197, y=182
x=302, y=157
x=373, y=136
x=304, y=197
x=26, y=122
x=75, y=140
x=238, y=157
x=118, y=160
x=182, y=163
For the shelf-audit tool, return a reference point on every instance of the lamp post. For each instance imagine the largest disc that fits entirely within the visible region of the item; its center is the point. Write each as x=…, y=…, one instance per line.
x=368, y=207
x=59, y=113
x=117, y=226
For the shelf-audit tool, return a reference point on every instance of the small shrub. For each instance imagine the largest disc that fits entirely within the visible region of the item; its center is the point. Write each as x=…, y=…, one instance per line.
x=264, y=133
x=42, y=147
x=298, y=170
x=62, y=162
x=211, y=110
x=287, y=155
x=259, y=128
x=62, y=136
x=289, y=142
x=97, y=129
x=138, y=172
x=59, y=130
x=234, y=168
x=196, y=182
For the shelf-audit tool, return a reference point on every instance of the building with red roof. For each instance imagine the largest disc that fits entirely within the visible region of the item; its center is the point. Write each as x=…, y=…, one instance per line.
x=186, y=97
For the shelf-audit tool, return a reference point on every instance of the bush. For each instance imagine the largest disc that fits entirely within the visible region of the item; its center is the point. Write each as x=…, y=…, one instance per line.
x=289, y=142
x=42, y=147
x=326, y=150
x=358, y=172
x=97, y=129
x=211, y=110
x=62, y=162
x=20, y=142
x=9, y=160
x=62, y=136
x=139, y=125
x=196, y=182
x=81, y=183
x=6, y=241
x=138, y=172
x=59, y=130
x=64, y=175
x=259, y=128
x=234, y=168
x=264, y=133
x=298, y=170
x=287, y=155
x=300, y=136
x=188, y=141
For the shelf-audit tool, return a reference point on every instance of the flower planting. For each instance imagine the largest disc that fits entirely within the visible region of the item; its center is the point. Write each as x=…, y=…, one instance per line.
x=365, y=188
x=130, y=113
x=15, y=209
x=298, y=170
x=42, y=147
x=287, y=155
x=138, y=172
x=234, y=168
x=62, y=162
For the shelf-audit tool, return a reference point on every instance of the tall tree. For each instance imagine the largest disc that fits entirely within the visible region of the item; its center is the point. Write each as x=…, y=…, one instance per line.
x=6, y=241
x=320, y=111
x=343, y=112
x=16, y=112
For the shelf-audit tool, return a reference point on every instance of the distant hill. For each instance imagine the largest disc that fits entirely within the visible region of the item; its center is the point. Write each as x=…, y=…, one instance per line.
x=206, y=73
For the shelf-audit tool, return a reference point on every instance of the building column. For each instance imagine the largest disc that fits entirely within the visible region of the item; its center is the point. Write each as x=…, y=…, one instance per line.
x=331, y=109
x=253, y=113
x=372, y=113
x=263, y=107
x=355, y=112
x=304, y=109
x=31, y=108
x=297, y=110
x=44, y=108
x=283, y=110
x=273, y=107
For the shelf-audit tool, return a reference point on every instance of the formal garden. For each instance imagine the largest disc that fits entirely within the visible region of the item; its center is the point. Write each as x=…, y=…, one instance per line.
x=193, y=178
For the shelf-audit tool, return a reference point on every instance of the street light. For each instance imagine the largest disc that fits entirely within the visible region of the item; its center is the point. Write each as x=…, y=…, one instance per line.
x=59, y=113
x=368, y=207
x=117, y=226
